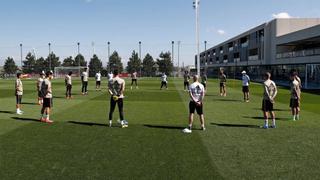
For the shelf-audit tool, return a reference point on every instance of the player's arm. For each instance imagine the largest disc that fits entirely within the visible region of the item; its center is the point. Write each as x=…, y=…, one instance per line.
x=109, y=88
x=266, y=91
x=275, y=91
x=123, y=87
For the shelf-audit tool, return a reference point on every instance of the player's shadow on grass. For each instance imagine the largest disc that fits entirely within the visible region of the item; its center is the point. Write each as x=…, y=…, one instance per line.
x=7, y=112
x=227, y=100
x=28, y=103
x=279, y=110
x=87, y=123
x=262, y=118
x=236, y=125
x=25, y=119
x=162, y=127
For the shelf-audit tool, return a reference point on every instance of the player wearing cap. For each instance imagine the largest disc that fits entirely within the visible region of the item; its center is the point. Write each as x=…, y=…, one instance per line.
x=223, y=80
x=269, y=95
x=46, y=91
x=98, y=81
x=39, y=82
x=68, y=82
x=84, y=80
x=116, y=89
x=197, y=93
x=186, y=78
x=134, y=79
x=18, y=93
x=295, y=96
x=245, y=86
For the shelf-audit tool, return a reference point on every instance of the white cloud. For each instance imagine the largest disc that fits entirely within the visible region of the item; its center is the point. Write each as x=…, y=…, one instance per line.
x=221, y=32
x=282, y=15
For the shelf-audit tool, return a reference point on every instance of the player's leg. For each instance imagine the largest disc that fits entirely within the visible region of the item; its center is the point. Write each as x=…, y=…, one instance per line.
x=201, y=116
x=121, y=114
x=224, y=90
x=70, y=91
x=161, y=85
x=273, y=116
x=131, y=83
x=112, y=107
x=265, y=113
x=82, y=89
x=192, y=109
x=86, y=87
x=18, y=104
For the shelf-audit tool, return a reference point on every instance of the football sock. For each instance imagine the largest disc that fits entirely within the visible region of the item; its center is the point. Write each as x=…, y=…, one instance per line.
x=294, y=117
x=110, y=122
x=266, y=122
x=47, y=117
x=190, y=126
x=298, y=116
x=273, y=122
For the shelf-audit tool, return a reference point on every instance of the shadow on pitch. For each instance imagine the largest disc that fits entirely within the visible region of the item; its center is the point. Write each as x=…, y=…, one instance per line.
x=27, y=103
x=162, y=127
x=227, y=100
x=87, y=123
x=236, y=125
x=25, y=119
x=7, y=112
x=279, y=110
x=262, y=118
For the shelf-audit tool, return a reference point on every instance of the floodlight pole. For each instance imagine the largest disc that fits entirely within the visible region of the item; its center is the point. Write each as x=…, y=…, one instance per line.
x=140, y=55
x=172, y=54
x=78, y=56
x=196, y=5
x=49, y=57
x=21, y=54
x=179, y=43
x=109, y=57
x=205, y=56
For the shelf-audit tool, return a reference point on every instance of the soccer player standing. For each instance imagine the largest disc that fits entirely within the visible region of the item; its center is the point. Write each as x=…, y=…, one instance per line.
x=223, y=80
x=116, y=89
x=204, y=79
x=197, y=93
x=98, y=81
x=134, y=79
x=295, y=97
x=164, y=81
x=186, y=78
x=84, y=79
x=39, y=82
x=46, y=91
x=68, y=82
x=245, y=86
x=19, y=93
x=270, y=93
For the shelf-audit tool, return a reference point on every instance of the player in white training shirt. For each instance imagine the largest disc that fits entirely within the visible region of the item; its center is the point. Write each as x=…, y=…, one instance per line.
x=98, y=81
x=84, y=80
x=197, y=93
x=269, y=95
x=245, y=86
x=164, y=81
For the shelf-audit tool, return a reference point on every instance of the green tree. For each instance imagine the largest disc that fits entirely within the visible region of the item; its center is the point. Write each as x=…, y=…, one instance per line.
x=55, y=62
x=148, y=66
x=10, y=66
x=29, y=64
x=69, y=61
x=134, y=63
x=95, y=65
x=115, y=62
x=41, y=65
x=80, y=58
x=165, y=63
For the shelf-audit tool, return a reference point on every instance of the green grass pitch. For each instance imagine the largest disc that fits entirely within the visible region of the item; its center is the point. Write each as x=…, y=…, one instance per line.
x=79, y=145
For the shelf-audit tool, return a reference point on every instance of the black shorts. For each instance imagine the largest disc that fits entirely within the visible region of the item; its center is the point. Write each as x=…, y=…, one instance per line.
x=222, y=84
x=98, y=83
x=47, y=103
x=18, y=99
x=186, y=84
x=294, y=103
x=267, y=106
x=245, y=89
x=134, y=80
x=193, y=106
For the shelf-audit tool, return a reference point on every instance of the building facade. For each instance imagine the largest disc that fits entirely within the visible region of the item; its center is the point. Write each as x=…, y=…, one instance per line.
x=278, y=46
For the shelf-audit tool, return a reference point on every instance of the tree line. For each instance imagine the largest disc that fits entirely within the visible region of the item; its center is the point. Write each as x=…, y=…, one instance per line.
x=148, y=66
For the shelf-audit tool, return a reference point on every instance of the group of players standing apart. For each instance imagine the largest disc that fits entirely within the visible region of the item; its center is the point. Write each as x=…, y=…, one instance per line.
x=197, y=90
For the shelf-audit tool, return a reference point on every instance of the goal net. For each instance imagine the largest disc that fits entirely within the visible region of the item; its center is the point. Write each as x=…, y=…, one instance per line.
x=61, y=72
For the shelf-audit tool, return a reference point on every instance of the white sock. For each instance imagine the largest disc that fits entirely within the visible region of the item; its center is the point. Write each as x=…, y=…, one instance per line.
x=294, y=117
x=298, y=117
x=47, y=117
x=190, y=126
x=110, y=122
x=266, y=122
x=273, y=122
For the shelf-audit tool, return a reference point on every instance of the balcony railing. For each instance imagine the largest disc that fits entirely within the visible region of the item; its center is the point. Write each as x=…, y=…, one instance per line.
x=302, y=53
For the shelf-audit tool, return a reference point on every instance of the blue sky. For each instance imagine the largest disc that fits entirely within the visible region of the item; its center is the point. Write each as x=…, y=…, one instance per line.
x=126, y=22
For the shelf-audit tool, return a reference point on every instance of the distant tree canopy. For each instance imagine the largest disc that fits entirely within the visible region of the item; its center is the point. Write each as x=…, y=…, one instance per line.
x=134, y=63
x=115, y=62
x=165, y=63
x=29, y=64
x=148, y=66
x=95, y=65
x=80, y=58
x=10, y=66
x=69, y=61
